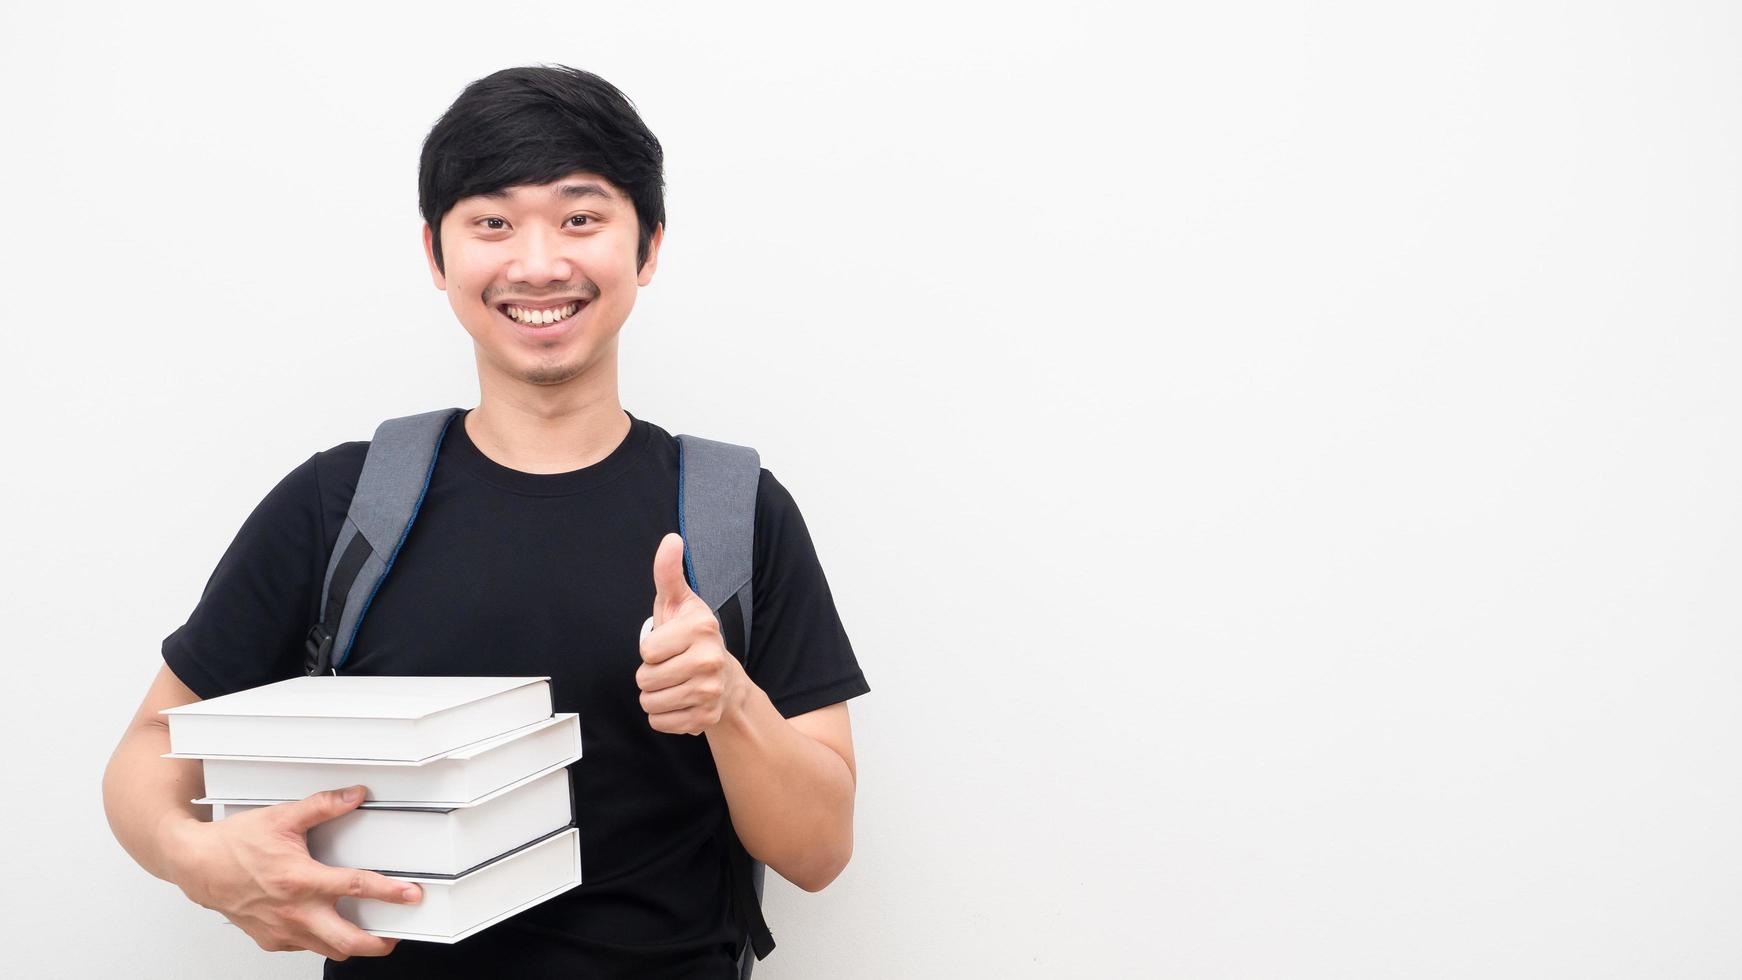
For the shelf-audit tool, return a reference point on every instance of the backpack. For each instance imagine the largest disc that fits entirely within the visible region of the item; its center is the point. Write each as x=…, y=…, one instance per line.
x=716, y=511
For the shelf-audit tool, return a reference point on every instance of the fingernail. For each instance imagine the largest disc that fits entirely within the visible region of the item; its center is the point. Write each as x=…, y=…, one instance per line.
x=351, y=795
x=411, y=894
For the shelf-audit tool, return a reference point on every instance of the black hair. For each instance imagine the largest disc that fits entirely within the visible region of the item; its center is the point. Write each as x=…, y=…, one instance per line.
x=532, y=125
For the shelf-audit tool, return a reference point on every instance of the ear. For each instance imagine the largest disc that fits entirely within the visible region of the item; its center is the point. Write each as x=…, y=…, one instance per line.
x=429, y=255
x=646, y=274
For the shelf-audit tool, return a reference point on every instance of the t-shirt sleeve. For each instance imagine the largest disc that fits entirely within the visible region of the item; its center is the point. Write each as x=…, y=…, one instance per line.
x=799, y=651
x=250, y=623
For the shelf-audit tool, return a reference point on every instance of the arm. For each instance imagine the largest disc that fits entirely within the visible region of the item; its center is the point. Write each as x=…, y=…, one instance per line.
x=254, y=867
x=146, y=796
x=788, y=783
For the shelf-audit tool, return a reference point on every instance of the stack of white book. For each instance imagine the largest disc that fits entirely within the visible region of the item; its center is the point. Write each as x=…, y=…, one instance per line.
x=467, y=786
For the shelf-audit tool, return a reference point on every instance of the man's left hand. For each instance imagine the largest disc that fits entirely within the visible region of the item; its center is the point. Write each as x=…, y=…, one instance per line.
x=689, y=681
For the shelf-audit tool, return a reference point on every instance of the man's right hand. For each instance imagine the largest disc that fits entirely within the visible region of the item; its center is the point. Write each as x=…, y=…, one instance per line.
x=255, y=868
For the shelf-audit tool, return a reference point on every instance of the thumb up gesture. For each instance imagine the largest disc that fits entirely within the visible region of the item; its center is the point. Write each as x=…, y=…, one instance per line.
x=690, y=682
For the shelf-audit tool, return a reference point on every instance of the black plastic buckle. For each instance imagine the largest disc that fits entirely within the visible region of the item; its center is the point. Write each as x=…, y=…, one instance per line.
x=320, y=651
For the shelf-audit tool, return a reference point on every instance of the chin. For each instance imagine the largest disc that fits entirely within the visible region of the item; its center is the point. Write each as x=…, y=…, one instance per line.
x=548, y=370
x=553, y=363
x=554, y=374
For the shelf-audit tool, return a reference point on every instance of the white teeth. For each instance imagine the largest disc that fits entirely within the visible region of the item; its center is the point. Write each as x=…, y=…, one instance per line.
x=541, y=317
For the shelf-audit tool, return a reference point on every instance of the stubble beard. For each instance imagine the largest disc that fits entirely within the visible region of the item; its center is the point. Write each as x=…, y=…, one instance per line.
x=555, y=371
x=551, y=366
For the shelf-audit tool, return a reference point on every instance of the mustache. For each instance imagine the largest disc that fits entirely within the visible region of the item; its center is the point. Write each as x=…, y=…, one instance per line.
x=587, y=294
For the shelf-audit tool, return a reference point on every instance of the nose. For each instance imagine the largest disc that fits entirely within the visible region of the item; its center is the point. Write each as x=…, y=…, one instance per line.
x=539, y=259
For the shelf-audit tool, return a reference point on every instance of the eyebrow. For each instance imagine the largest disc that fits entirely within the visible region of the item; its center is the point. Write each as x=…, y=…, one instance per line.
x=566, y=192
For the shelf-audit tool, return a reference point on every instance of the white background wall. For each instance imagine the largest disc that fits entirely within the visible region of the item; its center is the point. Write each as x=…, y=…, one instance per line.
x=1277, y=463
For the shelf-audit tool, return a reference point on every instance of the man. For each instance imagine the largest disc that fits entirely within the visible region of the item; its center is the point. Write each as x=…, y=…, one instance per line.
x=544, y=540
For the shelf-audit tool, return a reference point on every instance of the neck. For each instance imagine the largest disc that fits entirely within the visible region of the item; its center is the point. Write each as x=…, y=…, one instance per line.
x=548, y=428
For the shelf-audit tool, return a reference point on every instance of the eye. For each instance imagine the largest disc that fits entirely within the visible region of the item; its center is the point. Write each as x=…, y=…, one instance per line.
x=492, y=227
x=581, y=216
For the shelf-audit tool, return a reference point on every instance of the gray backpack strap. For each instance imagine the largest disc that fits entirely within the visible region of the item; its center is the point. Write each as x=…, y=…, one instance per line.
x=716, y=502
x=395, y=477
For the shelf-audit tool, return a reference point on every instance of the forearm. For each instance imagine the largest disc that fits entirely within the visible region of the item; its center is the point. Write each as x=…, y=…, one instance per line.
x=791, y=796
x=147, y=797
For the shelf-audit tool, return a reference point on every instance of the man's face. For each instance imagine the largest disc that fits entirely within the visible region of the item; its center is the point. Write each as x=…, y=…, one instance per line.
x=564, y=246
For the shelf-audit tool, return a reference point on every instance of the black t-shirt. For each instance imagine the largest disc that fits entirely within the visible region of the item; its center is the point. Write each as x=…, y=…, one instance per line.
x=521, y=574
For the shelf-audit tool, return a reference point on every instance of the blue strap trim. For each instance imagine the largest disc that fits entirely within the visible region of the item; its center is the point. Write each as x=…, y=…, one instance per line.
x=689, y=569
x=339, y=660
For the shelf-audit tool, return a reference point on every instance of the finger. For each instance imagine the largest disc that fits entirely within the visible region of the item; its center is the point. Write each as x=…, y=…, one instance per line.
x=285, y=939
x=665, y=643
x=313, y=945
x=687, y=695
x=680, y=634
x=344, y=936
x=671, y=589
x=687, y=721
x=320, y=807
x=364, y=884
x=667, y=673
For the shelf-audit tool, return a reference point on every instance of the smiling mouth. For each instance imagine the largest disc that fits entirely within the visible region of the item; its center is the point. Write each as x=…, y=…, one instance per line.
x=533, y=317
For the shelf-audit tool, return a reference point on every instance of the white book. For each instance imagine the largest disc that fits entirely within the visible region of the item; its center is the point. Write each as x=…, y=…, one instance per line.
x=437, y=842
x=454, y=908
x=358, y=717
x=455, y=778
